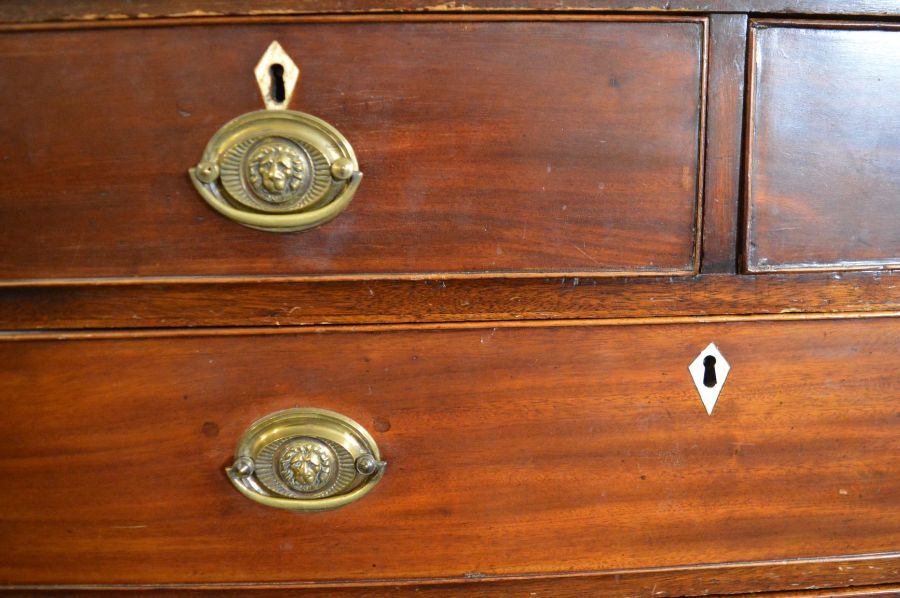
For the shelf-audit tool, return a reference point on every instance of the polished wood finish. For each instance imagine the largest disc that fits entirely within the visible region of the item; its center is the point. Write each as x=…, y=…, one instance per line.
x=725, y=102
x=512, y=451
x=683, y=581
x=878, y=591
x=541, y=147
x=530, y=165
x=166, y=304
x=823, y=154
x=92, y=11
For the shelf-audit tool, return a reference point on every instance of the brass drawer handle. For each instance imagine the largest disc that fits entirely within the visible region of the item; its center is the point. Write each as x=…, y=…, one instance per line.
x=306, y=460
x=277, y=170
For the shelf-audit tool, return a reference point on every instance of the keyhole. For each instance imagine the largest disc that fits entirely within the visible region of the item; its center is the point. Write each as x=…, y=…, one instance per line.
x=277, y=73
x=709, y=371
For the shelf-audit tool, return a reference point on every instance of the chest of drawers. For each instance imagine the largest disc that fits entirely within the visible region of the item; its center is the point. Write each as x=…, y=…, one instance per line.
x=613, y=309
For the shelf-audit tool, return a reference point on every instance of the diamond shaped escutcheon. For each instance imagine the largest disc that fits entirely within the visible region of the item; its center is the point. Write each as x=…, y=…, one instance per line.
x=709, y=371
x=276, y=63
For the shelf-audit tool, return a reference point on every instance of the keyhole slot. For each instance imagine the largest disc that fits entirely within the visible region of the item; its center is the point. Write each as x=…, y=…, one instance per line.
x=709, y=371
x=276, y=72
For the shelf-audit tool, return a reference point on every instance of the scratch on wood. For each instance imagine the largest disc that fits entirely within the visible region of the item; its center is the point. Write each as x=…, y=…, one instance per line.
x=585, y=254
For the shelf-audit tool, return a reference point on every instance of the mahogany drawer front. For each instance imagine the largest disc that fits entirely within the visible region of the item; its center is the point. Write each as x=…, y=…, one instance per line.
x=823, y=164
x=487, y=145
x=504, y=458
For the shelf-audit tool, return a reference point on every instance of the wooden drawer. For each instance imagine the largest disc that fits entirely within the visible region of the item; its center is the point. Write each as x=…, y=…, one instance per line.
x=823, y=164
x=489, y=145
x=512, y=450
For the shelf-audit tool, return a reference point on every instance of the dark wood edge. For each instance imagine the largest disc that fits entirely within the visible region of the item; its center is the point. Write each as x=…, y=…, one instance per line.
x=749, y=264
x=746, y=209
x=770, y=22
x=274, y=304
x=690, y=580
x=879, y=590
x=142, y=333
x=700, y=177
x=92, y=11
x=723, y=134
x=888, y=264
x=357, y=277
x=398, y=17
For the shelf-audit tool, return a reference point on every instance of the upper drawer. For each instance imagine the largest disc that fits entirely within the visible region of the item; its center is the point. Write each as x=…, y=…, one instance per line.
x=823, y=171
x=487, y=146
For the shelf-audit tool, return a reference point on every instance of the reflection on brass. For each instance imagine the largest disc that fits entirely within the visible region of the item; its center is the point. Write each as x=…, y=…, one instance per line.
x=277, y=170
x=306, y=460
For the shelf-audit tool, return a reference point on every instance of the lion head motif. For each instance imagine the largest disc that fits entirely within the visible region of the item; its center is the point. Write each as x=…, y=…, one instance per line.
x=276, y=171
x=306, y=466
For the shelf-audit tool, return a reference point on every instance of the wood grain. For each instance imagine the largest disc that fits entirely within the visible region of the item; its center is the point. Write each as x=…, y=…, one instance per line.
x=542, y=146
x=879, y=591
x=511, y=451
x=303, y=303
x=684, y=581
x=97, y=10
x=546, y=460
x=823, y=164
x=724, y=118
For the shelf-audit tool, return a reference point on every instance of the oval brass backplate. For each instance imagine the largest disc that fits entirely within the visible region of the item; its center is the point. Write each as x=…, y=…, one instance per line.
x=277, y=170
x=306, y=460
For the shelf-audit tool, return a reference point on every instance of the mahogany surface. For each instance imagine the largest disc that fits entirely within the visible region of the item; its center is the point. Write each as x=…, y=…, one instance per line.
x=93, y=11
x=683, y=581
x=542, y=146
x=724, y=129
x=552, y=224
x=287, y=303
x=511, y=451
x=824, y=147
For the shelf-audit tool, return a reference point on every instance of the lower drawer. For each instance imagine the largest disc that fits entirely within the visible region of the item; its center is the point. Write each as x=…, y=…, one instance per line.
x=512, y=450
